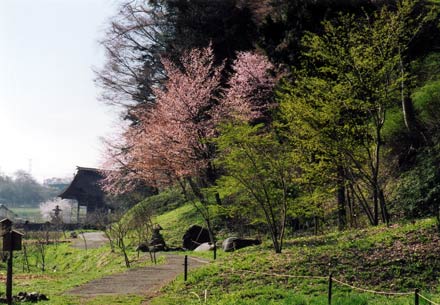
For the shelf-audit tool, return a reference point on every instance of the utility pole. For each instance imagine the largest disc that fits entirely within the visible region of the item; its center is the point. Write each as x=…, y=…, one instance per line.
x=30, y=166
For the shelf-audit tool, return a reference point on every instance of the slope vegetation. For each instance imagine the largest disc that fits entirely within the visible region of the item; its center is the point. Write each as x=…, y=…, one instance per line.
x=399, y=258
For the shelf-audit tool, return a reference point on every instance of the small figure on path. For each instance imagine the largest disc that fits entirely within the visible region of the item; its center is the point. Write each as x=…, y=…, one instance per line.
x=157, y=241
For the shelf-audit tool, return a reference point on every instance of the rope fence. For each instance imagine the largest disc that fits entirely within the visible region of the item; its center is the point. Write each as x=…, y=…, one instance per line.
x=427, y=300
x=372, y=291
x=331, y=279
x=282, y=275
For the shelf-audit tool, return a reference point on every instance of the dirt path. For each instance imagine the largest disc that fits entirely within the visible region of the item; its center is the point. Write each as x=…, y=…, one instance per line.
x=93, y=240
x=140, y=281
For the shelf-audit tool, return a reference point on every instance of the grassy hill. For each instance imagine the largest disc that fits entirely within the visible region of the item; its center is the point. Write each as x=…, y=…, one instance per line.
x=175, y=222
x=399, y=258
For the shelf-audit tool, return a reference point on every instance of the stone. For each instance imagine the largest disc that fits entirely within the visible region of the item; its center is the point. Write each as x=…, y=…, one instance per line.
x=194, y=236
x=234, y=243
x=204, y=247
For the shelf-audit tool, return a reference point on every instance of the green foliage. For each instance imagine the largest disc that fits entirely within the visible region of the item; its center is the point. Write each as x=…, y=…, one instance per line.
x=167, y=200
x=427, y=69
x=32, y=214
x=418, y=189
x=258, y=167
x=24, y=190
x=174, y=223
x=335, y=111
x=397, y=258
x=427, y=104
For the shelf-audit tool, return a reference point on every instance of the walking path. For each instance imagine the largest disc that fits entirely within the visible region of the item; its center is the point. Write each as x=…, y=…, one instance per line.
x=141, y=281
x=93, y=240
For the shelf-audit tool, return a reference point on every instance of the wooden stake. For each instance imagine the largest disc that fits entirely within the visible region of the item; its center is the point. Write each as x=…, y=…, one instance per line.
x=330, y=284
x=185, y=268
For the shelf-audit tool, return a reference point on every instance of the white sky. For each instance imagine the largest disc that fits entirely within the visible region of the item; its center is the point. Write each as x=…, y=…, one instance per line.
x=49, y=111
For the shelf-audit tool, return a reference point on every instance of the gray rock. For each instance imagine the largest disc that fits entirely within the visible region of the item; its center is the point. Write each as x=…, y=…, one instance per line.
x=204, y=247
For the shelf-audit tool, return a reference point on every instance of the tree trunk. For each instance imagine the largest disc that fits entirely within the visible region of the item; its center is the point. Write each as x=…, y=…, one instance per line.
x=212, y=237
x=350, y=208
x=363, y=203
x=437, y=216
x=205, y=214
x=383, y=206
x=375, y=206
x=316, y=225
x=376, y=170
x=276, y=244
x=342, y=213
x=409, y=116
x=124, y=251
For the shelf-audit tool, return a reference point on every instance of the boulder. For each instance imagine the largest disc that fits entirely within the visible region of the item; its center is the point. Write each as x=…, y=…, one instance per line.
x=143, y=247
x=194, y=236
x=204, y=247
x=234, y=243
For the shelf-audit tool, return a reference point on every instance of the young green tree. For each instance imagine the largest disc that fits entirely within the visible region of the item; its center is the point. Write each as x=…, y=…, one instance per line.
x=258, y=165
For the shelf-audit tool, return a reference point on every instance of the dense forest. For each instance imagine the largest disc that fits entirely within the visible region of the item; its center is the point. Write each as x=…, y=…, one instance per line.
x=278, y=113
x=22, y=190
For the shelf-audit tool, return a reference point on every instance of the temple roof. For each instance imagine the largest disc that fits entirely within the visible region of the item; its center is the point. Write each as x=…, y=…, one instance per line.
x=86, y=183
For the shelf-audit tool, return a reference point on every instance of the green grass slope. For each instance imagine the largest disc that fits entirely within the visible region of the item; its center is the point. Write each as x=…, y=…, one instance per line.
x=175, y=222
x=68, y=267
x=392, y=259
x=171, y=211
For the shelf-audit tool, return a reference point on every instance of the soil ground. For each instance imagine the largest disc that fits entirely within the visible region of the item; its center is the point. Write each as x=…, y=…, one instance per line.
x=140, y=281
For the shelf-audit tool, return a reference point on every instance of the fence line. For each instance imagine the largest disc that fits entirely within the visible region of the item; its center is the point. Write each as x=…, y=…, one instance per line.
x=372, y=291
x=428, y=300
x=281, y=275
x=326, y=277
x=330, y=279
x=198, y=260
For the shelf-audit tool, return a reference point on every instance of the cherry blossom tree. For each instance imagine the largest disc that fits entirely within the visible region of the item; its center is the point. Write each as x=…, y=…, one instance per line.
x=170, y=141
x=250, y=88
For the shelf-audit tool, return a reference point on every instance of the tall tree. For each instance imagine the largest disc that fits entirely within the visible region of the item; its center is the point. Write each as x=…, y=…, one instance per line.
x=255, y=162
x=350, y=79
x=169, y=142
x=258, y=165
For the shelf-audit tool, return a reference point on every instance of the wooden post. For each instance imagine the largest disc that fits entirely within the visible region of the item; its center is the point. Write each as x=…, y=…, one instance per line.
x=416, y=297
x=9, y=278
x=330, y=283
x=215, y=251
x=185, y=268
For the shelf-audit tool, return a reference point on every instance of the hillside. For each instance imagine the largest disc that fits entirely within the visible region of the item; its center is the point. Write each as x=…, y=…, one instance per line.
x=399, y=258
x=175, y=223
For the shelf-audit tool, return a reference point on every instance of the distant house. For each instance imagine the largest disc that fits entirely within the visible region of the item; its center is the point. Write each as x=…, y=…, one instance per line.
x=7, y=213
x=59, y=184
x=85, y=188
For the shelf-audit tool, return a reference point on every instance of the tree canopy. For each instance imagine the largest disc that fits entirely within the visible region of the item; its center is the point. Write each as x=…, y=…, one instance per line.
x=278, y=110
